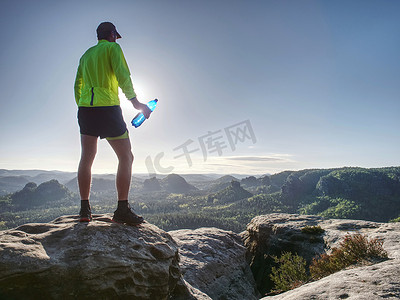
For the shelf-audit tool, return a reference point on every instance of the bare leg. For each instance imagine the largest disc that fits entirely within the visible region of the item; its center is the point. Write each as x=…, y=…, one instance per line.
x=89, y=149
x=122, y=149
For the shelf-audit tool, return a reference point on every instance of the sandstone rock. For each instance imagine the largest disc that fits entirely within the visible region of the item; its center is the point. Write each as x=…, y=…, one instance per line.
x=185, y=291
x=271, y=234
x=65, y=259
x=379, y=281
x=213, y=260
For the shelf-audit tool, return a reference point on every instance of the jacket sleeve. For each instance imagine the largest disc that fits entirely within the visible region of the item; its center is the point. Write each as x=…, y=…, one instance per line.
x=122, y=72
x=78, y=84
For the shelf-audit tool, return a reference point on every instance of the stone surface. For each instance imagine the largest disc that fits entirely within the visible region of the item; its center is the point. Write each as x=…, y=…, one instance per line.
x=213, y=261
x=271, y=234
x=185, y=291
x=65, y=259
x=379, y=281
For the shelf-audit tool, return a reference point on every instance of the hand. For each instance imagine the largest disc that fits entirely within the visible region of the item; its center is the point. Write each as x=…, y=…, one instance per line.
x=142, y=107
x=145, y=110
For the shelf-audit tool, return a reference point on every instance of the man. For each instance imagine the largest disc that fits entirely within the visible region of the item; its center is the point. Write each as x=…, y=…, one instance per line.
x=103, y=68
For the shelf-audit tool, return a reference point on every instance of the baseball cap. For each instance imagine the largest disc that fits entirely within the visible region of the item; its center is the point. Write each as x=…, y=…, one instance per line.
x=105, y=28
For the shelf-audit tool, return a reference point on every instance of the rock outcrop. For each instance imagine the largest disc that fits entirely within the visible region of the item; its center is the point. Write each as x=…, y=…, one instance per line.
x=271, y=234
x=379, y=281
x=65, y=259
x=213, y=261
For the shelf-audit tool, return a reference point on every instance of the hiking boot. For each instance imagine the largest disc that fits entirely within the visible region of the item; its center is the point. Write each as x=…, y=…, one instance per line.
x=85, y=214
x=125, y=215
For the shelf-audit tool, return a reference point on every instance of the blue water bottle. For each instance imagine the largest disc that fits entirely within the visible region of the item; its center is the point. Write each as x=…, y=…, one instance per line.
x=139, y=118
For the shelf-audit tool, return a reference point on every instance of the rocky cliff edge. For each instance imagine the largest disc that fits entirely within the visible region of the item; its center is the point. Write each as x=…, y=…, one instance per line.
x=271, y=234
x=65, y=259
x=97, y=260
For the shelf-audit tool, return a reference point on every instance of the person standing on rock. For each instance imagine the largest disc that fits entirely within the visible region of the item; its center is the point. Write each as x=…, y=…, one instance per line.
x=103, y=68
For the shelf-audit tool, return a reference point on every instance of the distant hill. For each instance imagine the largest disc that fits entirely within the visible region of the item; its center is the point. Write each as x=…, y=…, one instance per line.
x=33, y=195
x=30, y=173
x=14, y=180
x=234, y=192
x=221, y=183
x=174, y=183
x=198, y=177
x=72, y=185
x=98, y=184
x=250, y=181
x=278, y=180
x=356, y=193
x=39, y=176
x=353, y=193
x=102, y=183
x=152, y=185
x=10, y=184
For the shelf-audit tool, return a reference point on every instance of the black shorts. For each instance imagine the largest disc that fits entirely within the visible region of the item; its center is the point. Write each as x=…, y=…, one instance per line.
x=105, y=121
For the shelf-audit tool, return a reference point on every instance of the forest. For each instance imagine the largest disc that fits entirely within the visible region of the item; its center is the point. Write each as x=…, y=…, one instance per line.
x=227, y=202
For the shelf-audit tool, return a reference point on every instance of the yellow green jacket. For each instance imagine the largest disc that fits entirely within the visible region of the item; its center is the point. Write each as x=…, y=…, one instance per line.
x=102, y=68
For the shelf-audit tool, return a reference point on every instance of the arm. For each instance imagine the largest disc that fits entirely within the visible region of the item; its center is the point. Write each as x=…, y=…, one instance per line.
x=78, y=84
x=123, y=75
x=121, y=71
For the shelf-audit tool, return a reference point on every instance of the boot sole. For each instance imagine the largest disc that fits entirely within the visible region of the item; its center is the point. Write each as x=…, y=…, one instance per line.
x=85, y=220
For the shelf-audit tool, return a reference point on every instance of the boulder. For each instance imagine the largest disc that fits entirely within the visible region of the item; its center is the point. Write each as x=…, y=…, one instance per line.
x=379, y=281
x=270, y=235
x=213, y=261
x=65, y=259
x=274, y=233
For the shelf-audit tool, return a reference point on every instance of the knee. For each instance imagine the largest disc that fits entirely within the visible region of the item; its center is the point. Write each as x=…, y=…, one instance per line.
x=127, y=158
x=131, y=157
x=87, y=157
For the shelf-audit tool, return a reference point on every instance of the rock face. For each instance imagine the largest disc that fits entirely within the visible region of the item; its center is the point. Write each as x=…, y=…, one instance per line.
x=213, y=261
x=65, y=259
x=271, y=234
x=380, y=281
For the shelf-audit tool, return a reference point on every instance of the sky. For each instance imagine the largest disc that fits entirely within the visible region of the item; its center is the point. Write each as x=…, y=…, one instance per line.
x=247, y=87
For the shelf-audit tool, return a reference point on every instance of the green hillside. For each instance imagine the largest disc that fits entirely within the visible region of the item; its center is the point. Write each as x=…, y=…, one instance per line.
x=370, y=194
x=352, y=193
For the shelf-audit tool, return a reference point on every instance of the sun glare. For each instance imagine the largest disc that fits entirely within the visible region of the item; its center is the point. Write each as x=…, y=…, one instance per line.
x=142, y=92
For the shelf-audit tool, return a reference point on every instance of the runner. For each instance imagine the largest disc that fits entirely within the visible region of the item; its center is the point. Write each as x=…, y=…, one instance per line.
x=103, y=68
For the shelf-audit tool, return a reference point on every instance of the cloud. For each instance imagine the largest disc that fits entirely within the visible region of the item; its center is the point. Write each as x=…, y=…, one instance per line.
x=254, y=158
x=261, y=164
x=262, y=158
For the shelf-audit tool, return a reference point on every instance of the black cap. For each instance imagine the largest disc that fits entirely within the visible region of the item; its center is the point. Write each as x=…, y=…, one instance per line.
x=104, y=30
